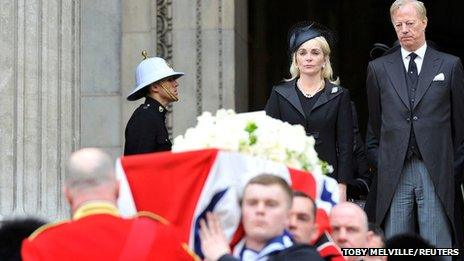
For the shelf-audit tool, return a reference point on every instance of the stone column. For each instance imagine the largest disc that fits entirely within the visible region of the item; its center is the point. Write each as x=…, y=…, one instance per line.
x=138, y=33
x=101, y=75
x=209, y=43
x=39, y=103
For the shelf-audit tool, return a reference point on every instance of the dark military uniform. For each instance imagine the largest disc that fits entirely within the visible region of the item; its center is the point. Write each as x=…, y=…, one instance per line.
x=146, y=130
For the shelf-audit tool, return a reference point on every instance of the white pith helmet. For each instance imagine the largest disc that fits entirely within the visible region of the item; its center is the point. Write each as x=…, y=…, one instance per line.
x=148, y=71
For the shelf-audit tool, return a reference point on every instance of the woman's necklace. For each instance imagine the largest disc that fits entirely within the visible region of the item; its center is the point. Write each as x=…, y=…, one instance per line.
x=309, y=94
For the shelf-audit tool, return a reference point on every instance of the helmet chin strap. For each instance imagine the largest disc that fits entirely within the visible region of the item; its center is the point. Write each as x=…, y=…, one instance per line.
x=169, y=93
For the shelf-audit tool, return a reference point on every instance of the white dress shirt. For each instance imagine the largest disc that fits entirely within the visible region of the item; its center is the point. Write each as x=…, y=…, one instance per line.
x=419, y=59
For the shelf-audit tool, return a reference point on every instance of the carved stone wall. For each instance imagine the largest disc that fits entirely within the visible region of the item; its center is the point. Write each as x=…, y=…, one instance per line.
x=139, y=32
x=67, y=66
x=101, y=75
x=39, y=103
x=206, y=39
x=164, y=41
x=209, y=45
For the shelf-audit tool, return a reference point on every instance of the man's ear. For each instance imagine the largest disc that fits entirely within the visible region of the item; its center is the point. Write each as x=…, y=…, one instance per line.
x=68, y=195
x=315, y=233
x=424, y=22
x=287, y=218
x=370, y=235
x=315, y=227
x=117, y=188
x=154, y=88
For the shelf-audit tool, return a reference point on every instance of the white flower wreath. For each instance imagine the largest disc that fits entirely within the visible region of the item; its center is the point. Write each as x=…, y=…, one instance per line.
x=255, y=134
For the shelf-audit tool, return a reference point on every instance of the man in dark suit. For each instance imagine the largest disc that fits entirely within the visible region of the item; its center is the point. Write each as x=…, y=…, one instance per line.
x=416, y=111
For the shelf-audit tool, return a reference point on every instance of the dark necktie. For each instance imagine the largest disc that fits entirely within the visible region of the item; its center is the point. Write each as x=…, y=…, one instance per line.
x=412, y=69
x=413, y=149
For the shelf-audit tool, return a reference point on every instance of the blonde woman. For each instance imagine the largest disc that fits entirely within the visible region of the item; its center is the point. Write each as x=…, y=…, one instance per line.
x=315, y=100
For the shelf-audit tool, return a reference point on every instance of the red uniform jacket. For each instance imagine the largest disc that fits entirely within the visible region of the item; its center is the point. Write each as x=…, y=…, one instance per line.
x=98, y=233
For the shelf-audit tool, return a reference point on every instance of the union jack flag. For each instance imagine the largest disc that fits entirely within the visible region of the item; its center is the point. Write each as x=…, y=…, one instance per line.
x=183, y=187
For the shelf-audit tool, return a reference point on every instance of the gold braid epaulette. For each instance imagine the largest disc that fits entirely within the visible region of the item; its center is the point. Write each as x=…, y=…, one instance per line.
x=190, y=252
x=45, y=227
x=164, y=221
x=154, y=216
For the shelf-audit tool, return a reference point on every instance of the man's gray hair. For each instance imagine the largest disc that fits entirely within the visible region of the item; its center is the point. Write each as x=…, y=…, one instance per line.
x=89, y=168
x=420, y=7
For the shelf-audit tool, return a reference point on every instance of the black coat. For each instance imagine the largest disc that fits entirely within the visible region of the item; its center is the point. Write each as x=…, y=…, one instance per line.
x=372, y=152
x=330, y=123
x=437, y=115
x=362, y=174
x=146, y=130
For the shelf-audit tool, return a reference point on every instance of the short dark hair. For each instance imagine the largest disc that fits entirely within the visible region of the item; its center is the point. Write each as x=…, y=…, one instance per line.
x=376, y=230
x=297, y=193
x=12, y=234
x=269, y=179
x=145, y=91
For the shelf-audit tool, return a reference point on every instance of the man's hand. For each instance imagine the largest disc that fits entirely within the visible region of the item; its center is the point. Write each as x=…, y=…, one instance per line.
x=214, y=243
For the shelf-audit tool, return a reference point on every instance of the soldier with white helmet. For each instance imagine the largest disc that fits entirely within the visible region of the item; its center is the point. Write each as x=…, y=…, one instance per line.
x=146, y=130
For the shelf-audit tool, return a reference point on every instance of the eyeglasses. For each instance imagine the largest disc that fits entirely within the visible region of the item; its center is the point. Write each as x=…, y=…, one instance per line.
x=408, y=24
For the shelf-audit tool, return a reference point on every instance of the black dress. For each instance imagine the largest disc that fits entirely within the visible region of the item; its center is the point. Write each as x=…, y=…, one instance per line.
x=146, y=130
